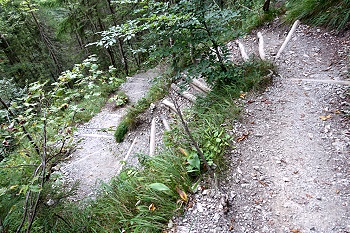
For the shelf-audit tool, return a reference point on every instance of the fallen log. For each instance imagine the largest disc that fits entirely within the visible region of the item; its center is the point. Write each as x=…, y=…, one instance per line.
x=289, y=36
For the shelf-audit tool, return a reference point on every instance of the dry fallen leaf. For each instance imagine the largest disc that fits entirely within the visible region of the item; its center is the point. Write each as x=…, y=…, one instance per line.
x=324, y=118
x=183, y=151
x=242, y=95
x=263, y=183
x=337, y=191
x=295, y=231
x=231, y=228
x=182, y=194
x=244, y=136
x=308, y=195
x=151, y=207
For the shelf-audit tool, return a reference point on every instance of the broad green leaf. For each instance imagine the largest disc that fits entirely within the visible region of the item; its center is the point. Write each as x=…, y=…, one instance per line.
x=35, y=188
x=159, y=187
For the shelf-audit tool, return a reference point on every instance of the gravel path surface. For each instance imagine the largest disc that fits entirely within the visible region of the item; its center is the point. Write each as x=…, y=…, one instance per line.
x=98, y=156
x=290, y=173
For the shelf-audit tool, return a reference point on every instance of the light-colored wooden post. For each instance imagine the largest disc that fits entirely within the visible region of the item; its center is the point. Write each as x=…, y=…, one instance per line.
x=152, y=143
x=200, y=85
x=127, y=156
x=289, y=36
x=185, y=94
x=261, y=47
x=243, y=52
x=166, y=124
x=170, y=105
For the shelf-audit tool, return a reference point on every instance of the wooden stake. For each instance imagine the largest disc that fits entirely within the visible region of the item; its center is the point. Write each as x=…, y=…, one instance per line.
x=289, y=36
x=170, y=105
x=200, y=85
x=166, y=124
x=127, y=156
x=243, y=52
x=152, y=143
x=185, y=94
x=261, y=46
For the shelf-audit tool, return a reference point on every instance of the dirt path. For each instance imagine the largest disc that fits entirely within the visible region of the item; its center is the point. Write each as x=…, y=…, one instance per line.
x=291, y=173
x=98, y=155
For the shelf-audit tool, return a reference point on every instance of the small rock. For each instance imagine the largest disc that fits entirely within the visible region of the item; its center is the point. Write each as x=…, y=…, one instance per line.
x=170, y=224
x=286, y=179
x=216, y=217
x=200, y=207
x=206, y=192
x=50, y=202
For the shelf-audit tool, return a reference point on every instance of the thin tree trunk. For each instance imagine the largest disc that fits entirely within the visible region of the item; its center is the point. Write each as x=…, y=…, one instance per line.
x=189, y=134
x=10, y=54
x=266, y=6
x=46, y=41
x=215, y=45
x=120, y=43
x=124, y=59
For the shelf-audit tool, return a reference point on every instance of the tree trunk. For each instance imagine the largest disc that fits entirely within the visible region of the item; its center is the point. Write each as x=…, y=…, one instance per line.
x=47, y=42
x=10, y=54
x=266, y=6
x=120, y=43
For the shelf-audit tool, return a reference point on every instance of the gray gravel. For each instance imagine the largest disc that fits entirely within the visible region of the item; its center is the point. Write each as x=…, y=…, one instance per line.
x=291, y=173
x=97, y=157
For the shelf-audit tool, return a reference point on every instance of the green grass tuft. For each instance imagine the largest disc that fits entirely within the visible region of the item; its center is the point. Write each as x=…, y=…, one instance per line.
x=158, y=90
x=333, y=14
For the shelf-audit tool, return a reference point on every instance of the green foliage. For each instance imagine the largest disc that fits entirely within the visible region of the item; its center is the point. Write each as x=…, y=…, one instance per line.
x=334, y=14
x=197, y=29
x=41, y=123
x=138, y=200
x=143, y=201
x=119, y=99
x=252, y=14
x=122, y=129
x=212, y=115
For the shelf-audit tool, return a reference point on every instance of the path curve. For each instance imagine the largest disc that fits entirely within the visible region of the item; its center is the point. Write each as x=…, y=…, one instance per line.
x=291, y=174
x=97, y=157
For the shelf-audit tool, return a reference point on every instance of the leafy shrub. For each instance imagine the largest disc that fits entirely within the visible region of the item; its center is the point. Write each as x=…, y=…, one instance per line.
x=119, y=99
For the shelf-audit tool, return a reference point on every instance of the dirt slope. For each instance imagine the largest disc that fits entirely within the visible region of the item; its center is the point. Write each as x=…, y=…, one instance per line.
x=291, y=173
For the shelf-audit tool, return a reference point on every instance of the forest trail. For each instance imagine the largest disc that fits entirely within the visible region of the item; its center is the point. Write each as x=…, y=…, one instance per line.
x=290, y=169
x=97, y=157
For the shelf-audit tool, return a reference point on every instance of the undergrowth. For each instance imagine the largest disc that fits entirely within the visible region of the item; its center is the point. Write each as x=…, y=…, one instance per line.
x=333, y=14
x=138, y=200
x=143, y=199
x=213, y=115
x=252, y=13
